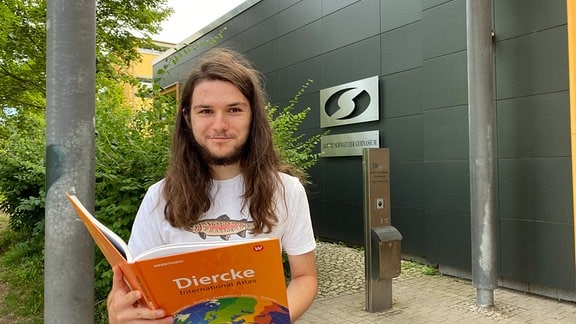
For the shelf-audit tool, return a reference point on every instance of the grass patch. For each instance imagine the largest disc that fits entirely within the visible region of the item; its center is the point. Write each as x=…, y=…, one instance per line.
x=418, y=268
x=21, y=276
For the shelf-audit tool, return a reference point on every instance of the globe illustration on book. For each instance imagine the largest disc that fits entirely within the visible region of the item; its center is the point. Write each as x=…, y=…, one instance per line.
x=240, y=310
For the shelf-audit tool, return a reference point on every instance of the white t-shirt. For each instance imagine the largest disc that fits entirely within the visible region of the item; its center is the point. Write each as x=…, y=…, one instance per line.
x=226, y=220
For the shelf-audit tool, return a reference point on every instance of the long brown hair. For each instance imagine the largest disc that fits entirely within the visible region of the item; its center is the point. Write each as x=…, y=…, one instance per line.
x=188, y=178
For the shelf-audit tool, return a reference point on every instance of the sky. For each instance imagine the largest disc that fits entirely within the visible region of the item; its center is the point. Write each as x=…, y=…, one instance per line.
x=190, y=16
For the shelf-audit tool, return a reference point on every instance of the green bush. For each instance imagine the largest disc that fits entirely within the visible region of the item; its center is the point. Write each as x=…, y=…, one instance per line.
x=294, y=149
x=132, y=150
x=22, y=173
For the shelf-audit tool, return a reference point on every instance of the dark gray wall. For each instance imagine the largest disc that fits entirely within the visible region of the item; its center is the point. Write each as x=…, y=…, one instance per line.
x=418, y=48
x=535, y=187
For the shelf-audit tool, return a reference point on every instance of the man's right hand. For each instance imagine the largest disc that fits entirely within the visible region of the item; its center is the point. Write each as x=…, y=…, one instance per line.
x=123, y=305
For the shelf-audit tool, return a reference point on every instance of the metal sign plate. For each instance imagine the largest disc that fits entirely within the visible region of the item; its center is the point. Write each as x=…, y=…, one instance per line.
x=350, y=144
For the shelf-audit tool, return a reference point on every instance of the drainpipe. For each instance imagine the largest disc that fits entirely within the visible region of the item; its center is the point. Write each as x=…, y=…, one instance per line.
x=571, y=22
x=482, y=148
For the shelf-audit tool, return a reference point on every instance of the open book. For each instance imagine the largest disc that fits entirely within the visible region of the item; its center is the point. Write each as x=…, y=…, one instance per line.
x=228, y=282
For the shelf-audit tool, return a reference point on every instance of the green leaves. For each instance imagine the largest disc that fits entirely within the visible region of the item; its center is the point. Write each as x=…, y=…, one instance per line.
x=22, y=175
x=294, y=148
x=122, y=26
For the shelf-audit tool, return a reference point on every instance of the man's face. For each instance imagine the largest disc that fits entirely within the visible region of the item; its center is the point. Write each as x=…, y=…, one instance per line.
x=220, y=117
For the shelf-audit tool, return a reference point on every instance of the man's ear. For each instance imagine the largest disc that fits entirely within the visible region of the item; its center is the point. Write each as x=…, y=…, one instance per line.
x=186, y=116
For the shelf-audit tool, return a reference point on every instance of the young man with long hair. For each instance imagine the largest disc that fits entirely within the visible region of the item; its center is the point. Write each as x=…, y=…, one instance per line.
x=223, y=171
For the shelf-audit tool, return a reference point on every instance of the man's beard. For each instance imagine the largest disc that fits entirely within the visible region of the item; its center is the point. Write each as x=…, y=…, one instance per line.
x=232, y=158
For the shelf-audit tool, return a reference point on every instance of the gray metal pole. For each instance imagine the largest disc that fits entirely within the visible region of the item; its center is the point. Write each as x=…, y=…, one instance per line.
x=482, y=147
x=70, y=100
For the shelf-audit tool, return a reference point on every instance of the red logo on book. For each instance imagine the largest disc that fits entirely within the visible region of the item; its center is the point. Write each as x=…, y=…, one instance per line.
x=258, y=247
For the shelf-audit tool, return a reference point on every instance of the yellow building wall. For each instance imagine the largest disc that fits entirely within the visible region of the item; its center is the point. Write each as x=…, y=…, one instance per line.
x=143, y=71
x=571, y=11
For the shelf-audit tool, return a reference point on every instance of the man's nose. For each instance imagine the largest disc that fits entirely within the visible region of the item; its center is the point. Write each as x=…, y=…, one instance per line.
x=220, y=121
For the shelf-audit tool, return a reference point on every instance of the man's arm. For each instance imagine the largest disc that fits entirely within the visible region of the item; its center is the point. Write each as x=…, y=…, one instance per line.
x=303, y=285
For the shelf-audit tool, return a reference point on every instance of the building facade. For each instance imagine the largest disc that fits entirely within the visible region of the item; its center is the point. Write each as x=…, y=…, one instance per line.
x=142, y=70
x=418, y=51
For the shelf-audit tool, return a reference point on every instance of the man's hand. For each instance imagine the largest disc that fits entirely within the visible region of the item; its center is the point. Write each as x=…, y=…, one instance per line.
x=123, y=306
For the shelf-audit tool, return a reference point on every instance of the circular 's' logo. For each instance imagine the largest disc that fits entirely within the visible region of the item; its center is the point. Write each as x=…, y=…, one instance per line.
x=347, y=103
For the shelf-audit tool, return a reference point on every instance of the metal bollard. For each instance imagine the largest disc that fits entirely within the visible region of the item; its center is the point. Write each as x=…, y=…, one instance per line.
x=382, y=241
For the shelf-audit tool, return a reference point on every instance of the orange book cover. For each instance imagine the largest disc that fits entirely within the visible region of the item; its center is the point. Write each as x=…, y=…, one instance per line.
x=231, y=282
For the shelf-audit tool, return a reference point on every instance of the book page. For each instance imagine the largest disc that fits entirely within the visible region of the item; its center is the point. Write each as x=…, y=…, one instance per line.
x=177, y=248
x=112, y=246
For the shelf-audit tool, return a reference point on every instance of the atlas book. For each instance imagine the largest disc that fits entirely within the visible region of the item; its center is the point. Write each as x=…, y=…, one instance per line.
x=228, y=282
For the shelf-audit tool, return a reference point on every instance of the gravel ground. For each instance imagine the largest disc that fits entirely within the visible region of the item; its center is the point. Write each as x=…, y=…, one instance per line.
x=340, y=269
